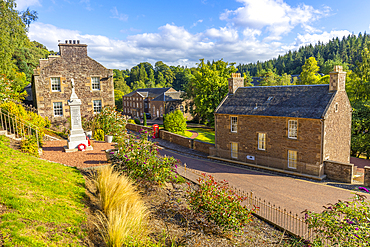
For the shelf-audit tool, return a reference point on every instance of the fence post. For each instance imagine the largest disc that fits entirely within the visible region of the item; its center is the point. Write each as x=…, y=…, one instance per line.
x=251, y=199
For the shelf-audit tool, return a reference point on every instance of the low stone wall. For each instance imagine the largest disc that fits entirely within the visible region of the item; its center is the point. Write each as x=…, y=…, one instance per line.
x=174, y=138
x=202, y=146
x=339, y=171
x=367, y=176
x=137, y=128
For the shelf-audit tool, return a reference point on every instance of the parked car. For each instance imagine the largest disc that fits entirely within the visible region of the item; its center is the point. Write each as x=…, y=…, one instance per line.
x=148, y=116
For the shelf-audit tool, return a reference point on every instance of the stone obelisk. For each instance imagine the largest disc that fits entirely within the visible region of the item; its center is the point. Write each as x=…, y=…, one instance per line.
x=76, y=134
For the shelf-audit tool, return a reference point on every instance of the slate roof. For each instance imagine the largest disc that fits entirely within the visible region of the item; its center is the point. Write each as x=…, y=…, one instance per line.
x=149, y=92
x=169, y=96
x=300, y=101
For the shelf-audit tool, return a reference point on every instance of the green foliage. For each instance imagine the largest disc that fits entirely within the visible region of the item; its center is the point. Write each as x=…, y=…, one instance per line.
x=45, y=201
x=175, y=122
x=343, y=223
x=220, y=204
x=110, y=121
x=131, y=121
x=99, y=135
x=360, y=141
x=118, y=99
x=137, y=121
x=144, y=119
x=140, y=159
x=29, y=145
x=208, y=87
x=309, y=73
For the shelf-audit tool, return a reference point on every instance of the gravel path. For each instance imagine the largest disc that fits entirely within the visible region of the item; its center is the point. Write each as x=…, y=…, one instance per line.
x=54, y=151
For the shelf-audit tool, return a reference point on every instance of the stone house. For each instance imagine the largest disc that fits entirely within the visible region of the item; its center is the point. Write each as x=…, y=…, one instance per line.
x=295, y=128
x=51, y=82
x=156, y=101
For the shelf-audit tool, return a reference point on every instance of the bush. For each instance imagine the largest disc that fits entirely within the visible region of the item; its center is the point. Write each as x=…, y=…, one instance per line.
x=342, y=224
x=29, y=145
x=140, y=160
x=99, y=135
x=137, y=121
x=110, y=121
x=175, y=122
x=125, y=218
x=131, y=121
x=220, y=204
x=144, y=119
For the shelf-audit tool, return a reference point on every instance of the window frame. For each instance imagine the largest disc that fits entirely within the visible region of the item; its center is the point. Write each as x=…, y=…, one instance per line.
x=94, y=83
x=234, y=124
x=52, y=81
x=261, y=141
x=234, y=147
x=292, y=159
x=292, y=130
x=55, y=109
x=96, y=107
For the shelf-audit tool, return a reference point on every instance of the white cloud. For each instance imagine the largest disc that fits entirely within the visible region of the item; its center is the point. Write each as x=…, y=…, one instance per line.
x=196, y=23
x=277, y=17
x=23, y=4
x=117, y=15
x=305, y=39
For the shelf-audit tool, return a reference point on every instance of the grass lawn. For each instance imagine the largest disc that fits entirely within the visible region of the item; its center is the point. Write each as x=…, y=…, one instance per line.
x=205, y=135
x=43, y=200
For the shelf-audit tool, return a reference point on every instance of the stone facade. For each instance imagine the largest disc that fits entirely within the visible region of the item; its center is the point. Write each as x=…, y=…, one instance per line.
x=339, y=171
x=367, y=176
x=93, y=82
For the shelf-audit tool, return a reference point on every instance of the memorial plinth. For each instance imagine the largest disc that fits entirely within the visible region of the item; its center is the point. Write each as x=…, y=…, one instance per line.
x=76, y=134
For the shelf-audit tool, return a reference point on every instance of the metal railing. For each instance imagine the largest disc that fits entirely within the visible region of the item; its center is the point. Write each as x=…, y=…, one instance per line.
x=270, y=162
x=26, y=107
x=18, y=127
x=275, y=215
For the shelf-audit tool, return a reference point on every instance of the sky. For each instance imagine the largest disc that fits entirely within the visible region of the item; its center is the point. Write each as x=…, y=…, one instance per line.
x=122, y=34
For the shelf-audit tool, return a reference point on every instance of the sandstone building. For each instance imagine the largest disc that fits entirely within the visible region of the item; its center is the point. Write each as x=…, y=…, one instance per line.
x=295, y=128
x=156, y=101
x=51, y=82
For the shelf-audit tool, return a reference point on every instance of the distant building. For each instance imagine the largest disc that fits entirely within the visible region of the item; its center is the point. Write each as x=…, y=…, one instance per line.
x=293, y=128
x=51, y=82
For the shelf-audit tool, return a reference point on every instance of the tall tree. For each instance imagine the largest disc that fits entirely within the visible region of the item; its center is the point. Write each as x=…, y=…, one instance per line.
x=309, y=73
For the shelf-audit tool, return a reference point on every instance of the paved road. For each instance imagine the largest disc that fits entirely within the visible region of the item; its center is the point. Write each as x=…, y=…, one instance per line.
x=293, y=194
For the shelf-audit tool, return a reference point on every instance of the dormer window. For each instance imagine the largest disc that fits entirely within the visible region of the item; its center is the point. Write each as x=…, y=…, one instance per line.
x=293, y=129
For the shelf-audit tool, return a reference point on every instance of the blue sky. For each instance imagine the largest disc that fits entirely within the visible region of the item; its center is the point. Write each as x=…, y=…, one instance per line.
x=121, y=34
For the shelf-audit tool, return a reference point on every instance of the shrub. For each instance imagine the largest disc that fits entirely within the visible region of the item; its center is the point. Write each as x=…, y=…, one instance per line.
x=137, y=121
x=175, y=122
x=110, y=121
x=140, y=160
x=343, y=223
x=220, y=204
x=29, y=145
x=99, y=135
x=124, y=220
x=131, y=121
x=144, y=119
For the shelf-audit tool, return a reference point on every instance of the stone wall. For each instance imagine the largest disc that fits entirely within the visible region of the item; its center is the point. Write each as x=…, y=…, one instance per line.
x=367, y=176
x=174, y=138
x=202, y=146
x=72, y=63
x=339, y=171
x=137, y=128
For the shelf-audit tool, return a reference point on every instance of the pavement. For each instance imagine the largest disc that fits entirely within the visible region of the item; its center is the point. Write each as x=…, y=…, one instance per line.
x=292, y=193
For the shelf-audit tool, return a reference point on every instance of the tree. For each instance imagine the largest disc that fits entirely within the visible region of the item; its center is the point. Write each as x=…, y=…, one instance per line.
x=309, y=73
x=208, y=87
x=175, y=122
x=247, y=79
x=118, y=99
x=161, y=82
x=285, y=80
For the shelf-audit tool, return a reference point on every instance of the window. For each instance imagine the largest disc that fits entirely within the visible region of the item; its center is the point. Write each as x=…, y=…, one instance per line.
x=234, y=150
x=234, y=124
x=97, y=106
x=292, y=129
x=171, y=108
x=292, y=159
x=55, y=84
x=161, y=111
x=95, y=83
x=58, y=109
x=261, y=141
x=137, y=105
x=182, y=108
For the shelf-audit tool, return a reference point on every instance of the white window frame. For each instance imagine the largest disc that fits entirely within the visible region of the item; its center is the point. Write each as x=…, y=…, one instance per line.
x=95, y=83
x=293, y=129
x=234, y=150
x=97, y=106
x=292, y=159
x=261, y=141
x=234, y=124
x=58, y=109
x=55, y=84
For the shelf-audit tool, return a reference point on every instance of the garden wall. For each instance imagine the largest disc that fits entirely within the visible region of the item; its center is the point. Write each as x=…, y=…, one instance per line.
x=137, y=128
x=367, y=176
x=339, y=171
x=202, y=146
x=174, y=138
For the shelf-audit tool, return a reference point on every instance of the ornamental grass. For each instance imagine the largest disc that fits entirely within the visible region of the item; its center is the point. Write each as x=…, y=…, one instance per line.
x=123, y=220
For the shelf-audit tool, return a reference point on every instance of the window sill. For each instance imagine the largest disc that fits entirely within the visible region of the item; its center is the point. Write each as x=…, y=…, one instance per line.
x=293, y=138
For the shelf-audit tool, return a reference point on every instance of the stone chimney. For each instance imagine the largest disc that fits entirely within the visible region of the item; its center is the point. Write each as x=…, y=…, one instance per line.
x=234, y=82
x=72, y=48
x=337, y=79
